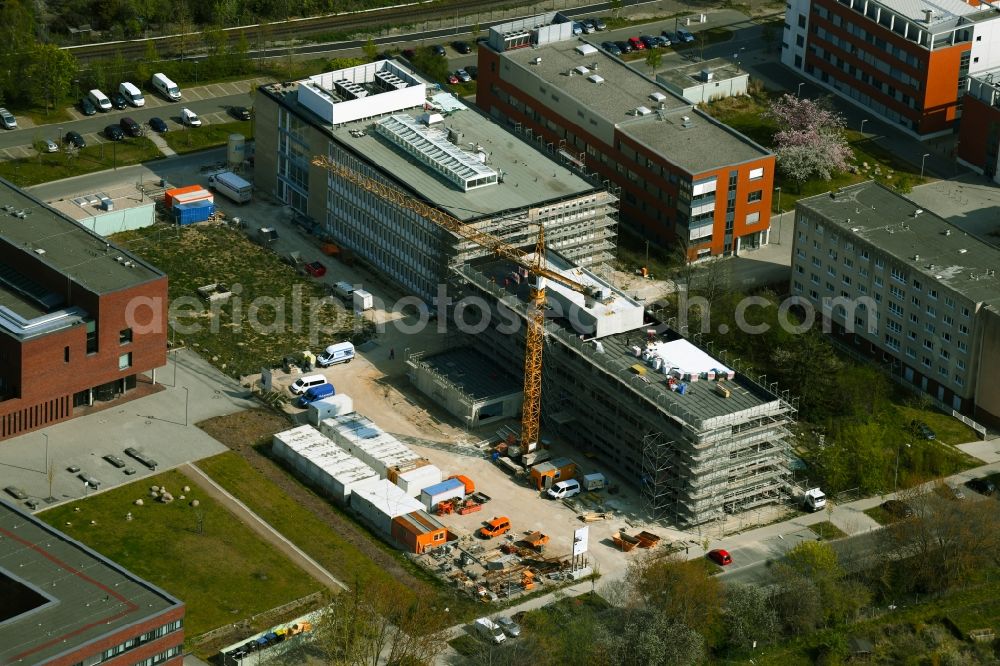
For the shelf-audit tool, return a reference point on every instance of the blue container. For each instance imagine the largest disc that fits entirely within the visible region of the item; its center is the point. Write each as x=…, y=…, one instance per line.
x=682, y=388
x=193, y=211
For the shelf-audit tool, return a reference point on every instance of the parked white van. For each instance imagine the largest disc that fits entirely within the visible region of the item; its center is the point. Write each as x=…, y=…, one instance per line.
x=564, y=489
x=131, y=93
x=489, y=630
x=190, y=118
x=99, y=99
x=166, y=87
x=342, y=352
x=306, y=382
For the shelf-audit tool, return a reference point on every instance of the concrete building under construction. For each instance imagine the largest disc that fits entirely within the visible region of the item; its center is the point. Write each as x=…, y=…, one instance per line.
x=696, y=437
x=384, y=122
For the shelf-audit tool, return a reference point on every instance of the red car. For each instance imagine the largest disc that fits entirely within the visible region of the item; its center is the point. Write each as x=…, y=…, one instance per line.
x=452, y=79
x=636, y=43
x=720, y=557
x=316, y=269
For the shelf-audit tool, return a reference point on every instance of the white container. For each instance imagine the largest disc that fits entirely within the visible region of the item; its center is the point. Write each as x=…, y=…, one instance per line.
x=431, y=496
x=594, y=481
x=415, y=480
x=379, y=501
x=326, y=408
x=362, y=300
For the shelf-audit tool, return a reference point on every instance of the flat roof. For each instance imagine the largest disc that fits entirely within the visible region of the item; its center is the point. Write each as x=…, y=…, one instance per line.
x=697, y=144
x=475, y=374
x=83, y=595
x=86, y=205
x=927, y=243
x=85, y=257
x=388, y=498
x=688, y=74
x=529, y=177
x=943, y=11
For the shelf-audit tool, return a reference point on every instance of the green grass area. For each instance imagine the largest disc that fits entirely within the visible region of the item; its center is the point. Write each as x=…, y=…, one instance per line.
x=40, y=116
x=466, y=645
x=337, y=554
x=42, y=168
x=827, y=530
x=747, y=114
x=880, y=515
x=192, y=139
x=277, y=311
x=223, y=573
x=947, y=428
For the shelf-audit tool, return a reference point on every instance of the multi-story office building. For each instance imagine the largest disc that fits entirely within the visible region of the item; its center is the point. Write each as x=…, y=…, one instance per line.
x=907, y=61
x=683, y=175
x=979, y=131
x=385, y=123
x=65, y=605
x=907, y=288
x=80, y=319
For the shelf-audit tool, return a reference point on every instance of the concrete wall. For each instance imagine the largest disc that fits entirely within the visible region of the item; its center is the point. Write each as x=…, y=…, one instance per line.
x=712, y=90
x=988, y=380
x=125, y=219
x=459, y=404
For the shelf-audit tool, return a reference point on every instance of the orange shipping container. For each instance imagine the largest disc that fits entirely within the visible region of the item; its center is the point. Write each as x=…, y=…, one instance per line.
x=168, y=196
x=470, y=487
x=418, y=531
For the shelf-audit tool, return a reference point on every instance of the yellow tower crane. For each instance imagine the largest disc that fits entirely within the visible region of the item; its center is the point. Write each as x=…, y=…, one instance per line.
x=531, y=408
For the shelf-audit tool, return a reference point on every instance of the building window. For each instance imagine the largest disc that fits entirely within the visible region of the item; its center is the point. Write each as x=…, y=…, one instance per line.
x=66, y=354
x=756, y=173
x=125, y=336
x=925, y=361
x=125, y=361
x=898, y=276
x=802, y=20
x=91, y=336
x=879, y=262
x=756, y=195
x=965, y=312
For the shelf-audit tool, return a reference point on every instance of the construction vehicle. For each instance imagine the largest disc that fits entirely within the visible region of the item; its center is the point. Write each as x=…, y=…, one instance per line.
x=495, y=527
x=814, y=499
x=534, y=263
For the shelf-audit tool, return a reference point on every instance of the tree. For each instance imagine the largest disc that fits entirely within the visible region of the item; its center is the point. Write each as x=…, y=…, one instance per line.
x=648, y=637
x=51, y=72
x=370, y=50
x=749, y=616
x=811, y=141
x=616, y=8
x=653, y=60
x=682, y=590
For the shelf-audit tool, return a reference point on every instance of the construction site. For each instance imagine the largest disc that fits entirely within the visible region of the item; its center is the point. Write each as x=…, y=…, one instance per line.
x=566, y=414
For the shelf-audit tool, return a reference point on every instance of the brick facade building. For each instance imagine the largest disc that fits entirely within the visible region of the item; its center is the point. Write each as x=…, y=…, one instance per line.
x=979, y=132
x=79, y=317
x=684, y=177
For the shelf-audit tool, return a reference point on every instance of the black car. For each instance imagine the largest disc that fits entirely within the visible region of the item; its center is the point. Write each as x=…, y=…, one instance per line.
x=239, y=112
x=438, y=50
x=982, y=486
x=74, y=139
x=473, y=71
x=157, y=125
x=922, y=429
x=462, y=47
x=670, y=37
x=118, y=101
x=611, y=48
x=114, y=132
x=130, y=127
x=650, y=41
x=87, y=107
x=624, y=47
x=897, y=509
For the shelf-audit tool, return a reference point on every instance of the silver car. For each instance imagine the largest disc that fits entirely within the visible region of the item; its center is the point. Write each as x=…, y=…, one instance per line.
x=509, y=627
x=51, y=146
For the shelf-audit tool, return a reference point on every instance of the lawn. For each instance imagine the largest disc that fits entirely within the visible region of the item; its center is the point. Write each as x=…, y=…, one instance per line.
x=274, y=312
x=947, y=428
x=192, y=139
x=339, y=554
x=747, y=114
x=42, y=168
x=880, y=515
x=223, y=575
x=827, y=530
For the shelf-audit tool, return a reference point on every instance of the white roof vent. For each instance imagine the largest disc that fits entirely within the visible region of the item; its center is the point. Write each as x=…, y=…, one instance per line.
x=594, y=78
x=39, y=250
x=962, y=251
x=642, y=111
x=585, y=49
x=537, y=60
x=657, y=97
x=947, y=232
x=581, y=70
x=432, y=118
x=918, y=212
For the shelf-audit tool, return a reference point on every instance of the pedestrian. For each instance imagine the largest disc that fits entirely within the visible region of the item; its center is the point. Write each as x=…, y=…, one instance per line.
x=392, y=353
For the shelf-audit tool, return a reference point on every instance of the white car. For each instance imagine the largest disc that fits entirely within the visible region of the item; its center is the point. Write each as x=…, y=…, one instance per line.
x=51, y=146
x=7, y=119
x=190, y=118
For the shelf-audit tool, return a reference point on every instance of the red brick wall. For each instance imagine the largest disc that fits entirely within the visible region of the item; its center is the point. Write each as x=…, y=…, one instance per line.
x=134, y=655
x=974, y=130
x=42, y=374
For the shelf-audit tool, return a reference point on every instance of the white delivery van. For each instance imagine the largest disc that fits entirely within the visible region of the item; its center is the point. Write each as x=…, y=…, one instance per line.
x=131, y=94
x=344, y=290
x=306, y=382
x=99, y=99
x=489, y=630
x=190, y=118
x=166, y=87
x=342, y=352
x=230, y=185
x=564, y=489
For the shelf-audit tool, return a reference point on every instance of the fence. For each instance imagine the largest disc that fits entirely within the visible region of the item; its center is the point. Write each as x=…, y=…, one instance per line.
x=246, y=625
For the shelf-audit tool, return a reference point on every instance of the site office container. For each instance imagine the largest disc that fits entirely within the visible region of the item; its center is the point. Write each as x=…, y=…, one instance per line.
x=168, y=196
x=379, y=501
x=431, y=496
x=543, y=475
x=200, y=194
x=414, y=477
x=418, y=531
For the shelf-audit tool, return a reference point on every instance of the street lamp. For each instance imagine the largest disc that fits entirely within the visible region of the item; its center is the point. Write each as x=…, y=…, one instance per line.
x=778, y=190
x=798, y=92
x=923, y=160
x=863, y=121
x=186, y=394
x=895, y=476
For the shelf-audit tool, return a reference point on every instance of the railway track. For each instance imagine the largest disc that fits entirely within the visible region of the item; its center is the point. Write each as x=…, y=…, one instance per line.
x=173, y=45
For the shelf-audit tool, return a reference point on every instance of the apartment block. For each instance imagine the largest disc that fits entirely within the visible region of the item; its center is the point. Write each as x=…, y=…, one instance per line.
x=979, y=131
x=684, y=177
x=384, y=122
x=906, y=61
x=906, y=288
x=80, y=318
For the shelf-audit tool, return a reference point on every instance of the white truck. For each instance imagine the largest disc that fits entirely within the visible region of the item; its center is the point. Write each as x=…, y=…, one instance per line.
x=166, y=87
x=489, y=630
x=231, y=186
x=814, y=499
